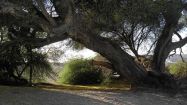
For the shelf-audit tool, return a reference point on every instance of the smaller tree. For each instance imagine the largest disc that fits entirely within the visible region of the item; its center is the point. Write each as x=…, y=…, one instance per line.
x=18, y=56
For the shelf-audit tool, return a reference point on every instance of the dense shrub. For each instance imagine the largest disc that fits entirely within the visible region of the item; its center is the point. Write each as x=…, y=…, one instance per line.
x=178, y=69
x=79, y=71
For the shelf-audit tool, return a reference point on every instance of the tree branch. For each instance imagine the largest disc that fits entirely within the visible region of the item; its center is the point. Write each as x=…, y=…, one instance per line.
x=179, y=36
x=45, y=13
x=179, y=43
x=181, y=55
x=149, y=51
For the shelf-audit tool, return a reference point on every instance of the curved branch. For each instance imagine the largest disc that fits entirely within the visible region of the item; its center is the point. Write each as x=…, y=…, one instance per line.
x=179, y=43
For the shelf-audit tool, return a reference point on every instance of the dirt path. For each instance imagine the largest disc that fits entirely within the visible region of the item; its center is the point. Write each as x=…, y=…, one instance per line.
x=32, y=96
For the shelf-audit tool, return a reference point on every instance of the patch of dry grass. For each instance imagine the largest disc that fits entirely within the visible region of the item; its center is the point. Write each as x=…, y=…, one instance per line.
x=111, y=87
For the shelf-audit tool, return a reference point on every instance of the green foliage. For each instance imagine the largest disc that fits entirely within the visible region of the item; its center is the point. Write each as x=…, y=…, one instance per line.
x=16, y=60
x=178, y=69
x=101, y=10
x=41, y=68
x=79, y=71
x=108, y=14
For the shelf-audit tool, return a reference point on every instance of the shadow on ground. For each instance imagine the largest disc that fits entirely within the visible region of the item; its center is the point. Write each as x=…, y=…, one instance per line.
x=30, y=96
x=34, y=96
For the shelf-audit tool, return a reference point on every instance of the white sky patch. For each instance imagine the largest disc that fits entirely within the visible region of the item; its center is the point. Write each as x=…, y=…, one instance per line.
x=68, y=52
x=183, y=34
x=75, y=54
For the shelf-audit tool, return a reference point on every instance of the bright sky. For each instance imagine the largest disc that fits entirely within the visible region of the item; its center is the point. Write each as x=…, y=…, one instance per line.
x=85, y=53
x=68, y=52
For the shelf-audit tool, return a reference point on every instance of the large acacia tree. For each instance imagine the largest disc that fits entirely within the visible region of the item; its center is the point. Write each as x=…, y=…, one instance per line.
x=85, y=21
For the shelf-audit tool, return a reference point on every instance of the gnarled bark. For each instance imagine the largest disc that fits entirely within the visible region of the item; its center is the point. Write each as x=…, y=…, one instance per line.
x=164, y=44
x=163, y=48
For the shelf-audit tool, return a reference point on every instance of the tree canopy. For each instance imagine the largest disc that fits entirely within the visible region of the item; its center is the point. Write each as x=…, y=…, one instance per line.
x=109, y=27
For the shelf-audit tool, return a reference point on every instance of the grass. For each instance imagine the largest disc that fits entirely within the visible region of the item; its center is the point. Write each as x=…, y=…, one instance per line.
x=111, y=87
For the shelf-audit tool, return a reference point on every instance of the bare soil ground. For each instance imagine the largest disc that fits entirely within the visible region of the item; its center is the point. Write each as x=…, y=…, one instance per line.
x=36, y=96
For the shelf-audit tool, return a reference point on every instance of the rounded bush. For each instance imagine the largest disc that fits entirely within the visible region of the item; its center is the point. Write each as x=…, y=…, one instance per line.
x=178, y=69
x=79, y=71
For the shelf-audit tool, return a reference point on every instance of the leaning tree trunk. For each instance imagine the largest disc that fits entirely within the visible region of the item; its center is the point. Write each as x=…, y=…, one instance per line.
x=122, y=62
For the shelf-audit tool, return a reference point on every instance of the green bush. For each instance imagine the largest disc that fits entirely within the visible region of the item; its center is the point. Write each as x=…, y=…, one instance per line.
x=178, y=69
x=79, y=71
x=42, y=69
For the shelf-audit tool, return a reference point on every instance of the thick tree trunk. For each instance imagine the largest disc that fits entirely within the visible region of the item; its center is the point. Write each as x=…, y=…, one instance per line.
x=163, y=47
x=160, y=55
x=162, y=51
x=122, y=62
x=164, y=44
